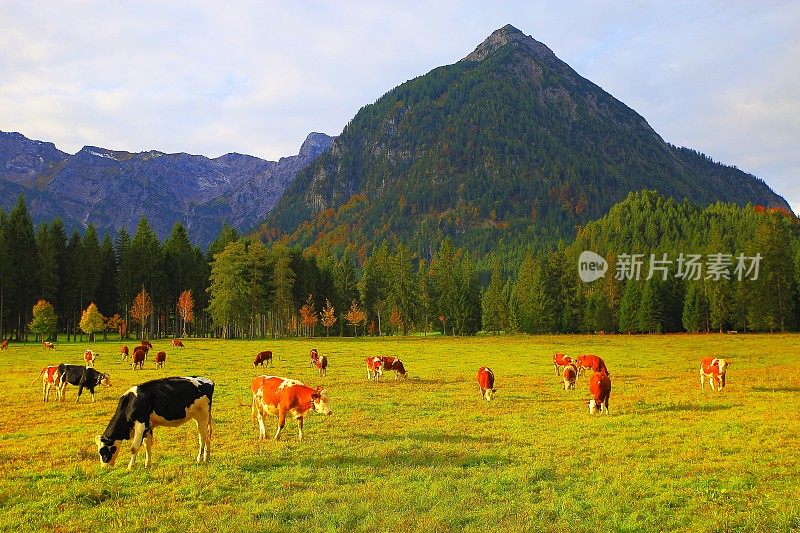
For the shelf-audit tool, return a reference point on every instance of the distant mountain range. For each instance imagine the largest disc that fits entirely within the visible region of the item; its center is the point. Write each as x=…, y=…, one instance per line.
x=507, y=145
x=114, y=189
x=503, y=148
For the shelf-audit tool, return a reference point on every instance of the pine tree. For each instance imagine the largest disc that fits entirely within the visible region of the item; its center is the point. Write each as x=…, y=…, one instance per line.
x=695, y=309
x=629, y=307
x=492, y=303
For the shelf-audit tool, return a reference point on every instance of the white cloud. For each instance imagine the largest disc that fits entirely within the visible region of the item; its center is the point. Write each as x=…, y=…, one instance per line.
x=257, y=77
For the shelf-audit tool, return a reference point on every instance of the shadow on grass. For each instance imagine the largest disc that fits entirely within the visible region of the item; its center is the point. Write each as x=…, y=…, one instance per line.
x=441, y=438
x=680, y=407
x=775, y=389
x=378, y=460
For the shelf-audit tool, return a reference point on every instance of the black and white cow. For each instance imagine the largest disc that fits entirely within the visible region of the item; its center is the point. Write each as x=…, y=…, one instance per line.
x=160, y=402
x=80, y=376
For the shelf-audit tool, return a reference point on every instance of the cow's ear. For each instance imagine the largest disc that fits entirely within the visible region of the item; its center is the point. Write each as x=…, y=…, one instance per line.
x=315, y=396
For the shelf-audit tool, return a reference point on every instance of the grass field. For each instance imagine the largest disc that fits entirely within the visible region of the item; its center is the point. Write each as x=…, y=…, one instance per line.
x=427, y=454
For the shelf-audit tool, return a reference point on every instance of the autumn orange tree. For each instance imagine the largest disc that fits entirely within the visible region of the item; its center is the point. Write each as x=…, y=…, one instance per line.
x=308, y=315
x=112, y=324
x=328, y=317
x=395, y=319
x=355, y=316
x=186, y=309
x=142, y=309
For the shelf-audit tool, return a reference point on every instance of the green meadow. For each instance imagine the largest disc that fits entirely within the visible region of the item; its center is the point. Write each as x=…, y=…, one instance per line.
x=428, y=453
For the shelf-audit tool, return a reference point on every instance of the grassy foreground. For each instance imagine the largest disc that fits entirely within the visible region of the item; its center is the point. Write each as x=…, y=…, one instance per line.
x=427, y=454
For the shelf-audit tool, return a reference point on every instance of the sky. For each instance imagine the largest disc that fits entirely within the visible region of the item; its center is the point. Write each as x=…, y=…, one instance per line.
x=209, y=77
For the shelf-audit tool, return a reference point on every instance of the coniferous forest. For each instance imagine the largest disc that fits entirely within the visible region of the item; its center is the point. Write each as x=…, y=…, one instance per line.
x=241, y=287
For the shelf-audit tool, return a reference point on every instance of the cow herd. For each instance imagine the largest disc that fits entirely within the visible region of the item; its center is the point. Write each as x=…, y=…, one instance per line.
x=172, y=401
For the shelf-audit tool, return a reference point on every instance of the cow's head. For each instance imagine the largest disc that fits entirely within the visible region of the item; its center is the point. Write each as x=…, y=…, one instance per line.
x=104, y=380
x=594, y=407
x=108, y=450
x=320, y=400
x=488, y=395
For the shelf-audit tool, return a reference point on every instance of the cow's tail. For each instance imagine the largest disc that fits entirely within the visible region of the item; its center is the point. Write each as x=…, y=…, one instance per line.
x=39, y=377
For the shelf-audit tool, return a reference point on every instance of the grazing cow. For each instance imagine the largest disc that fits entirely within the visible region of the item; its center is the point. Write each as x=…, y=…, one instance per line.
x=139, y=355
x=48, y=345
x=80, y=376
x=147, y=343
x=600, y=389
x=281, y=396
x=714, y=370
x=322, y=366
x=177, y=343
x=570, y=374
x=160, y=402
x=314, y=358
x=160, y=358
x=560, y=361
x=262, y=358
x=4, y=345
x=590, y=361
x=89, y=357
x=48, y=375
x=486, y=383
x=393, y=363
x=124, y=352
x=374, y=368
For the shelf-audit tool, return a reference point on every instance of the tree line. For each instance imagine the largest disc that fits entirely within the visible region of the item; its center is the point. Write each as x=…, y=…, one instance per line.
x=52, y=284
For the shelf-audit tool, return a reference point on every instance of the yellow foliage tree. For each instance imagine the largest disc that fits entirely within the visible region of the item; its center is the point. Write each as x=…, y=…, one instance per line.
x=92, y=321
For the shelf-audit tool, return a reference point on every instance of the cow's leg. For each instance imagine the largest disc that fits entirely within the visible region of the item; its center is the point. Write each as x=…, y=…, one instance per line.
x=300, y=428
x=202, y=438
x=148, y=443
x=702, y=380
x=281, y=422
x=80, y=391
x=45, y=391
x=262, y=428
x=136, y=443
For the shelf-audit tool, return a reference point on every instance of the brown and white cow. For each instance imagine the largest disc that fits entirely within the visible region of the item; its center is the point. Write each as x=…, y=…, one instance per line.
x=570, y=374
x=314, y=357
x=262, y=358
x=485, y=379
x=374, y=367
x=123, y=351
x=139, y=355
x=160, y=358
x=276, y=396
x=560, y=361
x=162, y=402
x=322, y=366
x=393, y=363
x=177, y=343
x=47, y=345
x=714, y=370
x=4, y=345
x=89, y=358
x=147, y=343
x=593, y=362
x=49, y=374
x=600, y=390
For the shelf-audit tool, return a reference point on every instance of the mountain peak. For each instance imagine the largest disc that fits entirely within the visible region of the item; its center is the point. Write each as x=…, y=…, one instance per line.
x=505, y=35
x=315, y=144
